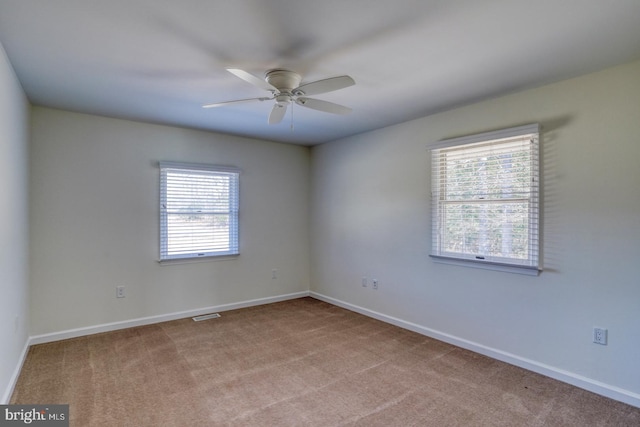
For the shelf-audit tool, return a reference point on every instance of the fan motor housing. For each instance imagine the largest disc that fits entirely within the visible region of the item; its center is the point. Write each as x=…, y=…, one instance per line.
x=283, y=80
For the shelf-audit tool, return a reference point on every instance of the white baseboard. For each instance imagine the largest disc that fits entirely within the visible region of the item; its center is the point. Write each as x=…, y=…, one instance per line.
x=16, y=373
x=580, y=381
x=106, y=327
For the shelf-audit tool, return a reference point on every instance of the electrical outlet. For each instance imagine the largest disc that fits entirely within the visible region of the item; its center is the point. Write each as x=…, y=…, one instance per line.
x=600, y=336
x=119, y=291
x=364, y=282
x=274, y=274
x=375, y=284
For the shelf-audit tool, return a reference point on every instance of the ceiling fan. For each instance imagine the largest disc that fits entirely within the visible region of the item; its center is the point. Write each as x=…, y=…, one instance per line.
x=285, y=88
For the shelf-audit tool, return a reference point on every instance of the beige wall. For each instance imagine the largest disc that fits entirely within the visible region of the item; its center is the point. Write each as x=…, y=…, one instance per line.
x=14, y=282
x=371, y=217
x=94, y=222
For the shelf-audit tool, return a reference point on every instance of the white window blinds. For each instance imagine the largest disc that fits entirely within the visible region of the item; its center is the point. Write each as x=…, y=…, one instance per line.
x=485, y=198
x=198, y=210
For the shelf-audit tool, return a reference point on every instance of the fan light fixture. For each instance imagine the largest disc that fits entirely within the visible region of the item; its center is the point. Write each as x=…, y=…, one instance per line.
x=285, y=88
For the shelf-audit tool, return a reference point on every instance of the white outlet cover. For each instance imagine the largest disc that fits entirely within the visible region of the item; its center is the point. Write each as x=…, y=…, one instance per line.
x=600, y=336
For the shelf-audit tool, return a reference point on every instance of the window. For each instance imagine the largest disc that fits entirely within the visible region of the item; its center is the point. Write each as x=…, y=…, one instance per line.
x=198, y=211
x=485, y=200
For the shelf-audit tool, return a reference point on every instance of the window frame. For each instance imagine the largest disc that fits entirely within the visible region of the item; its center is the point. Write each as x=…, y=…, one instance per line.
x=532, y=265
x=233, y=174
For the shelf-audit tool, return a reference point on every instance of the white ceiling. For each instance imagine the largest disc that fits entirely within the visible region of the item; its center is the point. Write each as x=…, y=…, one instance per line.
x=160, y=60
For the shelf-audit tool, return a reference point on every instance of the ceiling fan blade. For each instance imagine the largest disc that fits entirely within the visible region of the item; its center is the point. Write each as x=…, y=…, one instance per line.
x=327, y=107
x=277, y=113
x=325, y=85
x=250, y=78
x=237, y=101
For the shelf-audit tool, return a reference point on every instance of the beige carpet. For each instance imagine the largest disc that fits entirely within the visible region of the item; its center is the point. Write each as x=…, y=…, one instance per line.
x=296, y=363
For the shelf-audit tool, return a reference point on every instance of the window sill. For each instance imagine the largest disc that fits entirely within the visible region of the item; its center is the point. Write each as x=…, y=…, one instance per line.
x=194, y=260
x=486, y=265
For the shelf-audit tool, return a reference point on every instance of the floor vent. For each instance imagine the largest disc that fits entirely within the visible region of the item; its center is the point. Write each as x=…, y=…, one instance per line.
x=205, y=317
